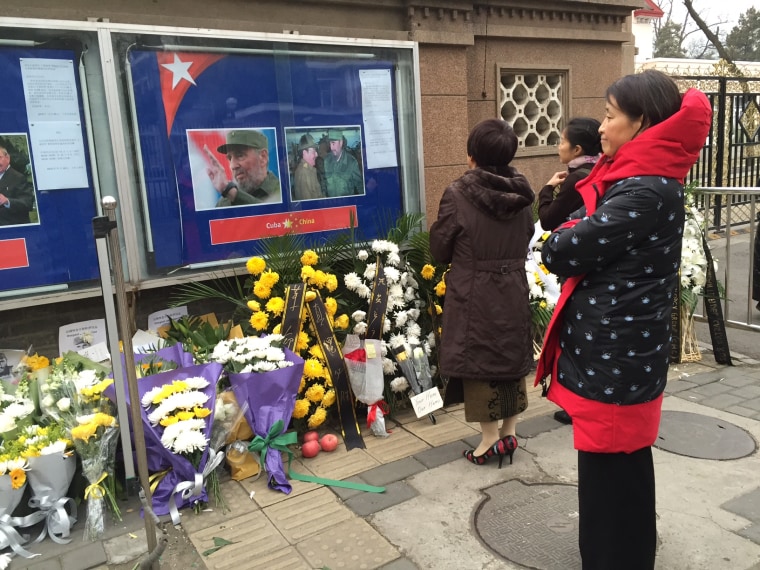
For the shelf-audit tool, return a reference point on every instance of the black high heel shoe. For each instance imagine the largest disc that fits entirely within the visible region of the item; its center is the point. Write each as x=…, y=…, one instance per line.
x=505, y=446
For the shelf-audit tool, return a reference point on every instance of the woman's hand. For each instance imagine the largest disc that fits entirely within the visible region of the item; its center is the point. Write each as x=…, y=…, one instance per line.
x=557, y=178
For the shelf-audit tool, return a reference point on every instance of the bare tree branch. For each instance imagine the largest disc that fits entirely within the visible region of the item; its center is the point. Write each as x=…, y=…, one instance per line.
x=714, y=39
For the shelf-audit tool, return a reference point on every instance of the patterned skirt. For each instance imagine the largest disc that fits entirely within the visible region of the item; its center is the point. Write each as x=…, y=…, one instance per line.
x=492, y=400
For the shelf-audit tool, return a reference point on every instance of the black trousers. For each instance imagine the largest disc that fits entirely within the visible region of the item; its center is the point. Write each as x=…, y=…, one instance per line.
x=616, y=500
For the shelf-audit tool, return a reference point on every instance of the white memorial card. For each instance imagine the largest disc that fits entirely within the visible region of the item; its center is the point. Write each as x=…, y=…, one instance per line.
x=81, y=335
x=426, y=402
x=161, y=318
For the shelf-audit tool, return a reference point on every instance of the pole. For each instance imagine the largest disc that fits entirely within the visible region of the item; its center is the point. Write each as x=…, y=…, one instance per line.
x=101, y=227
x=109, y=208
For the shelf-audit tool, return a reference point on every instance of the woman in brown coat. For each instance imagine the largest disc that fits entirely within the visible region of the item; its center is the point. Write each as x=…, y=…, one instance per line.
x=483, y=229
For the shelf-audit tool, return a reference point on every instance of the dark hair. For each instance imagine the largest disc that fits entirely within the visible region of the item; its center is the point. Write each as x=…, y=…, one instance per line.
x=584, y=132
x=492, y=144
x=650, y=95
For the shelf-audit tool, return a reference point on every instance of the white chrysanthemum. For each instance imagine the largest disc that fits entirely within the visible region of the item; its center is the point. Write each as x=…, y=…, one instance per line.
x=275, y=354
x=414, y=314
x=360, y=328
x=391, y=274
x=396, y=340
x=370, y=271
x=431, y=339
x=410, y=294
x=189, y=441
x=400, y=319
x=363, y=291
x=393, y=258
x=352, y=281
x=54, y=448
x=85, y=379
x=173, y=431
x=223, y=410
x=362, y=255
x=195, y=382
x=181, y=401
x=389, y=366
x=413, y=329
x=358, y=316
x=399, y=384
x=264, y=366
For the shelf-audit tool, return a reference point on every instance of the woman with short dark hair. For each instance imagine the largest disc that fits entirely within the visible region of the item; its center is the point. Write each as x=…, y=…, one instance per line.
x=483, y=230
x=608, y=345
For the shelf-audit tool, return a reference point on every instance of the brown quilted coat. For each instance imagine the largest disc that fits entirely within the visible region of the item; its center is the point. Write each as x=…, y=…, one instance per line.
x=483, y=229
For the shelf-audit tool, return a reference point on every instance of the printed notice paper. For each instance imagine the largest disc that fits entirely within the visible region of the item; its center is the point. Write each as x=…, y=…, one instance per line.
x=377, y=112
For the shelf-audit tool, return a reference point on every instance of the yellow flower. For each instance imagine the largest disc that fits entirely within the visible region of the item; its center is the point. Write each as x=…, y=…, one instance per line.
x=259, y=321
x=303, y=341
x=428, y=271
x=302, y=384
x=201, y=413
x=168, y=420
x=312, y=368
x=342, y=322
x=309, y=257
x=316, y=352
x=269, y=278
x=320, y=278
x=103, y=384
x=301, y=408
x=84, y=431
x=184, y=415
x=328, y=378
x=542, y=304
x=307, y=273
x=254, y=306
x=438, y=309
x=331, y=283
x=261, y=290
x=255, y=265
x=331, y=305
x=317, y=418
x=329, y=399
x=18, y=478
x=277, y=328
x=440, y=288
x=315, y=393
x=104, y=420
x=276, y=305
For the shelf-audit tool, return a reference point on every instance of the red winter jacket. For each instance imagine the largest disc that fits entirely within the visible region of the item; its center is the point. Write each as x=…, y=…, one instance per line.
x=607, y=345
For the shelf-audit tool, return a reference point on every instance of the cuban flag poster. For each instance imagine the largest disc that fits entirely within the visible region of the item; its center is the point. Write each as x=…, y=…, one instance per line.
x=239, y=146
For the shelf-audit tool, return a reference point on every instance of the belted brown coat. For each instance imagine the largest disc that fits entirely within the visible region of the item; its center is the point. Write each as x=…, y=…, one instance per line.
x=483, y=229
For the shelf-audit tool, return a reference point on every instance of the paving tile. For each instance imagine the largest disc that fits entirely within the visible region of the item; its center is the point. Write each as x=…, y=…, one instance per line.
x=741, y=411
x=712, y=389
x=345, y=493
x=537, y=425
x=352, y=544
x=254, y=536
x=708, y=377
x=341, y=464
x=678, y=386
x=442, y=454
x=405, y=416
x=124, y=548
x=369, y=503
x=30, y=564
x=753, y=404
x=746, y=505
x=751, y=379
x=237, y=501
x=85, y=556
x=264, y=496
x=400, y=564
x=398, y=445
x=308, y=514
x=691, y=396
x=282, y=559
x=748, y=392
x=722, y=401
x=752, y=532
x=446, y=430
x=391, y=472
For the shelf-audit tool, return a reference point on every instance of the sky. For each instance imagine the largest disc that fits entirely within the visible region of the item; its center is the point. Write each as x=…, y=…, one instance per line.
x=712, y=10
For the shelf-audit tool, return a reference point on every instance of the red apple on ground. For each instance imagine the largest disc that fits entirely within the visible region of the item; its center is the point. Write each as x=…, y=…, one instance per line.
x=310, y=448
x=310, y=436
x=329, y=442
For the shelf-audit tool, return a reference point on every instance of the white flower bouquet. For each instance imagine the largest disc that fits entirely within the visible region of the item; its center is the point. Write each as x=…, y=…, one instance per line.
x=693, y=257
x=15, y=413
x=543, y=287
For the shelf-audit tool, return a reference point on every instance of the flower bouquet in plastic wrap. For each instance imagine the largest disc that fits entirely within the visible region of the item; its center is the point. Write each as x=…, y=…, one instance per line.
x=177, y=408
x=266, y=377
x=365, y=373
x=51, y=463
x=15, y=413
x=13, y=482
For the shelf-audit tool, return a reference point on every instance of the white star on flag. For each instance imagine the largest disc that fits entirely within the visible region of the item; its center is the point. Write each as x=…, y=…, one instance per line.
x=179, y=70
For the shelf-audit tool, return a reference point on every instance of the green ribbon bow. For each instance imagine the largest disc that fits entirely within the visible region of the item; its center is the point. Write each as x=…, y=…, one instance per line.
x=275, y=439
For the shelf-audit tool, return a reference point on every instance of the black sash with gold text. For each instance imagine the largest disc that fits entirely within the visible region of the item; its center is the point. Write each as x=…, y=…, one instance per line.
x=378, y=303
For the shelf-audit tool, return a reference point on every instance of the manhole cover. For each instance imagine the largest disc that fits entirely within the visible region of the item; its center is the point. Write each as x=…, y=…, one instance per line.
x=532, y=525
x=695, y=435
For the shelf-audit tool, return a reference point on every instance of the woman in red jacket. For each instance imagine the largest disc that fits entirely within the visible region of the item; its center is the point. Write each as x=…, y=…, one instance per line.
x=483, y=230
x=607, y=347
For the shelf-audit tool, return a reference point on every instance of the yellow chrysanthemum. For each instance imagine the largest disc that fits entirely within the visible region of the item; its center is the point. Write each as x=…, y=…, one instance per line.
x=317, y=418
x=254, y=306
x=303, y=341
x=307, y=273
x=168, y=420
x=84, y=431
x=309, y=257
x=269, y=278
x=184, y=415
x=328, y=378
x=18, y=478
x=31, y=451
x=277, y=328
x=316, y=352
x=331, y=305
x=259, y=320
x=329, y=399
x=255, y=265
x=312, y=368
x=438, y=309
x=342, y=322
x=331, y=283
x=440, y=288
x=428, y=271
x=320, y=278
x=276, y=305
x=104, y=420
x=301, y=408
x=201, y=413
x=315, y=393
x=261, y=290
x=302, y=385
x=543, y=304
